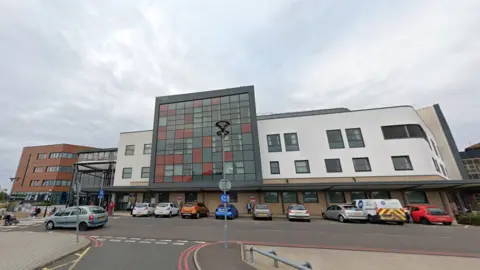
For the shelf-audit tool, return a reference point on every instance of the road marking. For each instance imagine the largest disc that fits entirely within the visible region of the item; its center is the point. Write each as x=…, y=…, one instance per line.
x=144, y=242
x=200, y=242
x=107, y=237
x=101, y=239
x=78, y=254
x=467, y=226
x=182, y=241
x=94, y=236
x=135, y=238
x=161, y=243
x=115, y=240
x=36, y=224
x=149, y=239
x=121, y=237
x=179, y=244
x=50, y=232
x=166, y=240
x=129, y=241
x=79, y=258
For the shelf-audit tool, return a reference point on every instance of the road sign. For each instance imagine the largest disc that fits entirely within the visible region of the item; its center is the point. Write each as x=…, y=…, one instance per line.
x=101, y=194
x=224, y=198
x=252, y=199
x=225, y=185
x=360, y=204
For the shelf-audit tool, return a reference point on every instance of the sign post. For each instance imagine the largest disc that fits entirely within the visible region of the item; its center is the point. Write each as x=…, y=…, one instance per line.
x=225, y=185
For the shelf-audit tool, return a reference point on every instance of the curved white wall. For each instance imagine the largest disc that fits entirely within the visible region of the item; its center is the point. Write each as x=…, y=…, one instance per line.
x=312, y=138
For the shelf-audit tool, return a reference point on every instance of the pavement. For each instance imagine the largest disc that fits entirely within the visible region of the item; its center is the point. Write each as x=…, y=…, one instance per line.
x=170, y=243
x=230, y=258
x=28, y=251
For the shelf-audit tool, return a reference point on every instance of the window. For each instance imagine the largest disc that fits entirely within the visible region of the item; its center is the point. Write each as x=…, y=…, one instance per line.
x=415, y=197
x=274, y=143
x=274, y=167
x=380, y=195
x=443, y=170
x=233, y=196
x=145, y=172
x=358, y=195
x=190, y=197
x=402, y=163
x=270, y=197
x=291, y=142
x=62, y=155
x=48, y=183
x=127, y=173
x=147, y=148
x=35, y=183
x=333, y=165
x=434, y=146
x=354, y=137
x=336, y=197
x=335, y=139
x=129, y=150
x=310, y=197
x=435, y=164
x=59, y=169
x=302, y=166
x=403, y=132
x=37, y=169
x=289, y=197
x=41, y=156
x=361, y=164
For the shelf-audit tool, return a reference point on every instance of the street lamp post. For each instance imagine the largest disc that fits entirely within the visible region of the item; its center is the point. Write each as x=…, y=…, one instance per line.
x=222, y=133
x=12, y=179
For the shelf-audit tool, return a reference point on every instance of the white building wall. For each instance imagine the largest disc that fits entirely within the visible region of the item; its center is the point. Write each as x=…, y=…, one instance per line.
x=136, y=161
x=313, y=143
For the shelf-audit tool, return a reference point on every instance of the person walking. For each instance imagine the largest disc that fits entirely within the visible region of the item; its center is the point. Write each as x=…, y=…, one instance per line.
x=249, y=208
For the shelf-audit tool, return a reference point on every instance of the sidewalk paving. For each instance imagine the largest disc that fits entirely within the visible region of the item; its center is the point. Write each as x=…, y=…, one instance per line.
x=27, y=251
x=215, y=256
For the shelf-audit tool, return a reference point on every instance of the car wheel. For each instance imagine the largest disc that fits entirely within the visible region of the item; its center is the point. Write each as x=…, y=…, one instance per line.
x=447, y=223
x=134, y=215
x=424, y=221
x=183, y=217
x=271, y=218
x=400, y=223
x=370, y=219
x=170, y=215
x=197, y=216
x=308, y=220
x=324, y=216
x=156, y=216
x=341, y=219
x=254, y=218
x=50, y=225
x=83, y=226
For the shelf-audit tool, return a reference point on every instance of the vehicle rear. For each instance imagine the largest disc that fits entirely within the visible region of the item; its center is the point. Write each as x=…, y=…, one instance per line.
x=262, y=211
x=163, y=209
x=298, y=211
x=436, y=215
x=390, y=211
x=141, y=209
x=220, y=211
x=97, y=216
x=351, y=212
x=190, y=209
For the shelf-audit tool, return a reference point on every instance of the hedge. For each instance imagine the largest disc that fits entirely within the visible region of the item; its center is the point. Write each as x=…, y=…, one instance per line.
x=469, y=219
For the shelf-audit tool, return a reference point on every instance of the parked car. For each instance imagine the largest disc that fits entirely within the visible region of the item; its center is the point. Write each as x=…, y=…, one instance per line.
x=232, y=211
x=89, y=216
x=427, y=214
x=143, y=209
x=298, y=211
x=382, y=210
x=194, y=209
x=166, y=209
x=345, y=213
x=261, y=211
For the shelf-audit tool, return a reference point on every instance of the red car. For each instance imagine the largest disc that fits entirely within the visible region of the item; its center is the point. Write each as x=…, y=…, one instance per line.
x=427, y=214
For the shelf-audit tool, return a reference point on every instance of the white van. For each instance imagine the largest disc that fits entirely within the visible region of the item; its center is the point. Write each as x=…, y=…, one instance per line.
x=387, y=210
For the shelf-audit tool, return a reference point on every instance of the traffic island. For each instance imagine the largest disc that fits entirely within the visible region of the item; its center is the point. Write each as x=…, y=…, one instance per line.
x=35, y=250
x=215, y=256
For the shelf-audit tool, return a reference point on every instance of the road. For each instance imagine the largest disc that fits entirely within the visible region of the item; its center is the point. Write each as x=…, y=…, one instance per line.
x=128, y=242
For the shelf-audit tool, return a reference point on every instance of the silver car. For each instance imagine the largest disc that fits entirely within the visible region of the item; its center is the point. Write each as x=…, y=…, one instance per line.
x=90, y=217
x=261, y=211
x=298, y=211
x=345, y=213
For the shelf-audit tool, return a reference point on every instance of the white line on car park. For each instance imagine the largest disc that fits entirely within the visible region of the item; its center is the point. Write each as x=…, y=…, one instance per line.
x=121, y=237
x=144, y=242
x=200, y=242
x=166, y=240
x=182, y=241
x=135, y=238
x=179, y=244
x=149, y=239
x=129, y=241
x=108, y=237
x=115, y=240
x=161, y=243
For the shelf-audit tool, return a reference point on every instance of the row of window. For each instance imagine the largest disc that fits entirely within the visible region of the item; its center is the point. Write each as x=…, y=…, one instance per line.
x=56, y=155
x=53, y=169
x=439, y=167
x=127, y=172
x=334, y=165
x=94, y=156
x=130, y=149
x=50, y=183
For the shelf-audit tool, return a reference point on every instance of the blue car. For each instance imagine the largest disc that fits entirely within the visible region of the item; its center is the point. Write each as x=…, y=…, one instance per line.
x=232, y=211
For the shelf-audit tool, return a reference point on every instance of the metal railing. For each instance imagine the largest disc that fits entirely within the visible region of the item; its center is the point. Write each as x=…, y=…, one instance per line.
x=272, y=254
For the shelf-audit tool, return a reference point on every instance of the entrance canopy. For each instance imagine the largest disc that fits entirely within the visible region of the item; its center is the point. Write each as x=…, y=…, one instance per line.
x=94, y=166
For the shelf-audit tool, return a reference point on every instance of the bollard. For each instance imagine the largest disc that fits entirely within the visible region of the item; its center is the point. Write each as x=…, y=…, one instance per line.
x=307, y=265
x=251, y=255
x=275, y=262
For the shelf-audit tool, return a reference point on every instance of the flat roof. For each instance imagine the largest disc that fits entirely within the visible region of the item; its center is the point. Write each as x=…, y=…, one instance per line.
x=98, y=150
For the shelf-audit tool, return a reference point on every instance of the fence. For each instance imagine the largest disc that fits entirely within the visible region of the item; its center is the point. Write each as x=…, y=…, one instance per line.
x=272, y=254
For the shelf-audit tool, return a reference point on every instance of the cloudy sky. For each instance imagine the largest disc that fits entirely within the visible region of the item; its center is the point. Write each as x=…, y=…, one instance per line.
x=80, y=72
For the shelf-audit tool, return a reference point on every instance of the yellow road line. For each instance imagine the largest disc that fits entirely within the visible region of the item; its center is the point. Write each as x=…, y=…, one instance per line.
x=79, y=258
x=58, y=266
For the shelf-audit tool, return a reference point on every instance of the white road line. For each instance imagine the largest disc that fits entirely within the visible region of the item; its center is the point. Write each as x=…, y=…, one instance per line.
x=115, y=240
x=144, y=242
x=200, y=242
x=101, y=239
x=108, y=237
x=135, y=238
x=182, y=241
x=129, y=241
x=121, y=237
x=467, y=226
x=179, y=244
x=149, y=239
x=166, y=240
x=161, y=243
x=50, y=232
x=36, y=224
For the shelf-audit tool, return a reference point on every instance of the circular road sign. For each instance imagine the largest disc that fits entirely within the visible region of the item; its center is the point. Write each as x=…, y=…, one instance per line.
x=225, y=185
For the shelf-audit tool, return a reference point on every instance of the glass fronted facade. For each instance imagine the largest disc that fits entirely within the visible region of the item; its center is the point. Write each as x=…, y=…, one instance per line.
x=189, y=149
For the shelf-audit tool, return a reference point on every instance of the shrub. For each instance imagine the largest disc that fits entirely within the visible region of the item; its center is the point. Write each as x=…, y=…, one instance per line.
x=472, y=218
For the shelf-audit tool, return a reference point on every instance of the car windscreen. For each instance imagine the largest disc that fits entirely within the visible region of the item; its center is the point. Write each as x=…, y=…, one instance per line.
x=436, y=211
x=297, y=207
x=261, y=206
x=140, y=205
x=97, y=210
x=189, y=205
x=163, y=205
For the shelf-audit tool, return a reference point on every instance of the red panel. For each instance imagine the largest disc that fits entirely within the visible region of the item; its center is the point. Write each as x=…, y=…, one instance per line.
x=198, y=103
x=208, y=168
x=162, y=128
x=188, y=133
x=169, y=159
x=179, y=134
x=163, y=108
x=197, y=155
x=160, y=160
x=172, y=112
x=246, y=128
x=178, y=159
x=187, y=178
x=215, y=101
x=228, y=156
x=159, y=170
x=163, y=113
x=177, y=178
x=162, y=135
x=207, y=141
x=158, y=179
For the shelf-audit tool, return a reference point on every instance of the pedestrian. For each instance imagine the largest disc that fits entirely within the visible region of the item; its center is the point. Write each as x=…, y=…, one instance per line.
x=249, y=208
